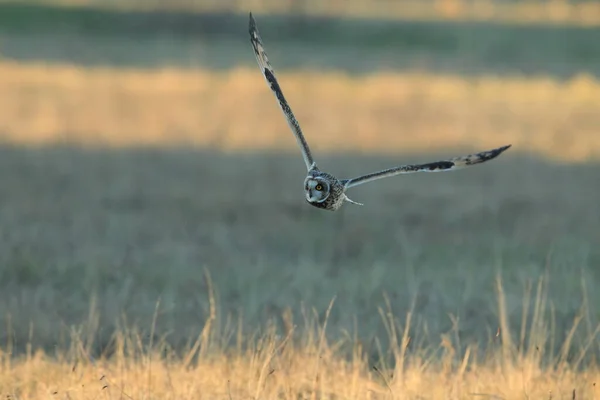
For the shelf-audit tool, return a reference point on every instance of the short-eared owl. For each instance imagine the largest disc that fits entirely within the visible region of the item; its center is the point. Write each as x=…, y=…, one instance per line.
x=324, y=190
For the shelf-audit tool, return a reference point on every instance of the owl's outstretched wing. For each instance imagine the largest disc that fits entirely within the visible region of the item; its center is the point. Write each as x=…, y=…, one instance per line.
x=447, y=165
x=269, y=74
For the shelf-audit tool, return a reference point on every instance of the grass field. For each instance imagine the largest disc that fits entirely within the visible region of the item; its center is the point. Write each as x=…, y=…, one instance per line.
x=91, y=37
x=152, y=221
x=527, y=12
x=275, y=366
x=386, y=112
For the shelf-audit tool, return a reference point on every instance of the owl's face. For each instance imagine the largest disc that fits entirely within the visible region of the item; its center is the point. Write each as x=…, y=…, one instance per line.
x=323, y=190
x=317, y=189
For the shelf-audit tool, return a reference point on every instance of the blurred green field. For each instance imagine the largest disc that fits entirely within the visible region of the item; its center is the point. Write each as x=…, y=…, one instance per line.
x=106, y=251
x=520, y=11
x=151, y=39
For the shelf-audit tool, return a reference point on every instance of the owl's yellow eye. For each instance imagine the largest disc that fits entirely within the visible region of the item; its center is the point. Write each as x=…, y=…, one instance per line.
x=319, y=187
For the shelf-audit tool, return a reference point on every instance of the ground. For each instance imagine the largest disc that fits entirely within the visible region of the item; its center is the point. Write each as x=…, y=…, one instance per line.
x=156, y=242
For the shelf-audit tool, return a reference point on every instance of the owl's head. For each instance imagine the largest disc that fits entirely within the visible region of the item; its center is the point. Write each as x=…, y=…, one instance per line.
x=316, y=188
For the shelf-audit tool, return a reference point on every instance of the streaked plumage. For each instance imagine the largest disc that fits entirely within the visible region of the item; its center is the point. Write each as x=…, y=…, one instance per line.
x=324, y=190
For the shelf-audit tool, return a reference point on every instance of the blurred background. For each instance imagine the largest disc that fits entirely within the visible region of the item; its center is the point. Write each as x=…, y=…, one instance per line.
x=145, y=163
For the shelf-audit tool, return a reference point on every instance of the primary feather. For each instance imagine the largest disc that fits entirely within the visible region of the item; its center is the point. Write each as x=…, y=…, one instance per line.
x=436, y=166
x=269, y=74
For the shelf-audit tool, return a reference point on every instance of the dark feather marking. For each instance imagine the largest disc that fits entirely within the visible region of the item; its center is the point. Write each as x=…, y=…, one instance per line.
x=269, y=75
x=453, y=163
x=280, y=97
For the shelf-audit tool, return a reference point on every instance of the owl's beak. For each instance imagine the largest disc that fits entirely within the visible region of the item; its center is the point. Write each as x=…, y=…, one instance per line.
x=311, y=198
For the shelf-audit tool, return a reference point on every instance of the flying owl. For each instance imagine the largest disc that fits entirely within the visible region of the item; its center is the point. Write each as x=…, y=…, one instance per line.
x=324, y=190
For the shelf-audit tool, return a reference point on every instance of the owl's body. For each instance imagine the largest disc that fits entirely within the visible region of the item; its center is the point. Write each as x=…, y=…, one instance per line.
x=323, y=190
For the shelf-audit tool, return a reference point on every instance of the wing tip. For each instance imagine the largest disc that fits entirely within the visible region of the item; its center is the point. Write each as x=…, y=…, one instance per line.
x=502, y=149
x=491, y=154
x=251, y=23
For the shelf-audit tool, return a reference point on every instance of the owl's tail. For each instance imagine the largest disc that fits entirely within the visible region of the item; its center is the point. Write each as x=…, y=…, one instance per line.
x=352, y=201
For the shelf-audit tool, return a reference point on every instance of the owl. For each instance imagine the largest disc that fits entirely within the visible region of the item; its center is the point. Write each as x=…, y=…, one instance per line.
x=323, y=190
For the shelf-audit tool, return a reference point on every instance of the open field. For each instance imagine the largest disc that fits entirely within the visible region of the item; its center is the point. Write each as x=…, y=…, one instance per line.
x=91, y=37
x=272, y=366
x=527, y=12
x=161, y=208
x=102, y=241
x=235, y=110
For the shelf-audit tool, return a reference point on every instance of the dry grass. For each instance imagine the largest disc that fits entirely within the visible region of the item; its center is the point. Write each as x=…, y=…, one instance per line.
x=303, y=364
x=235, y=110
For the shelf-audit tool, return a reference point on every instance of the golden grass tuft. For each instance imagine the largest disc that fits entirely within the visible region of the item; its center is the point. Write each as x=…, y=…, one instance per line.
x=235, y=110
x=303, y=363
